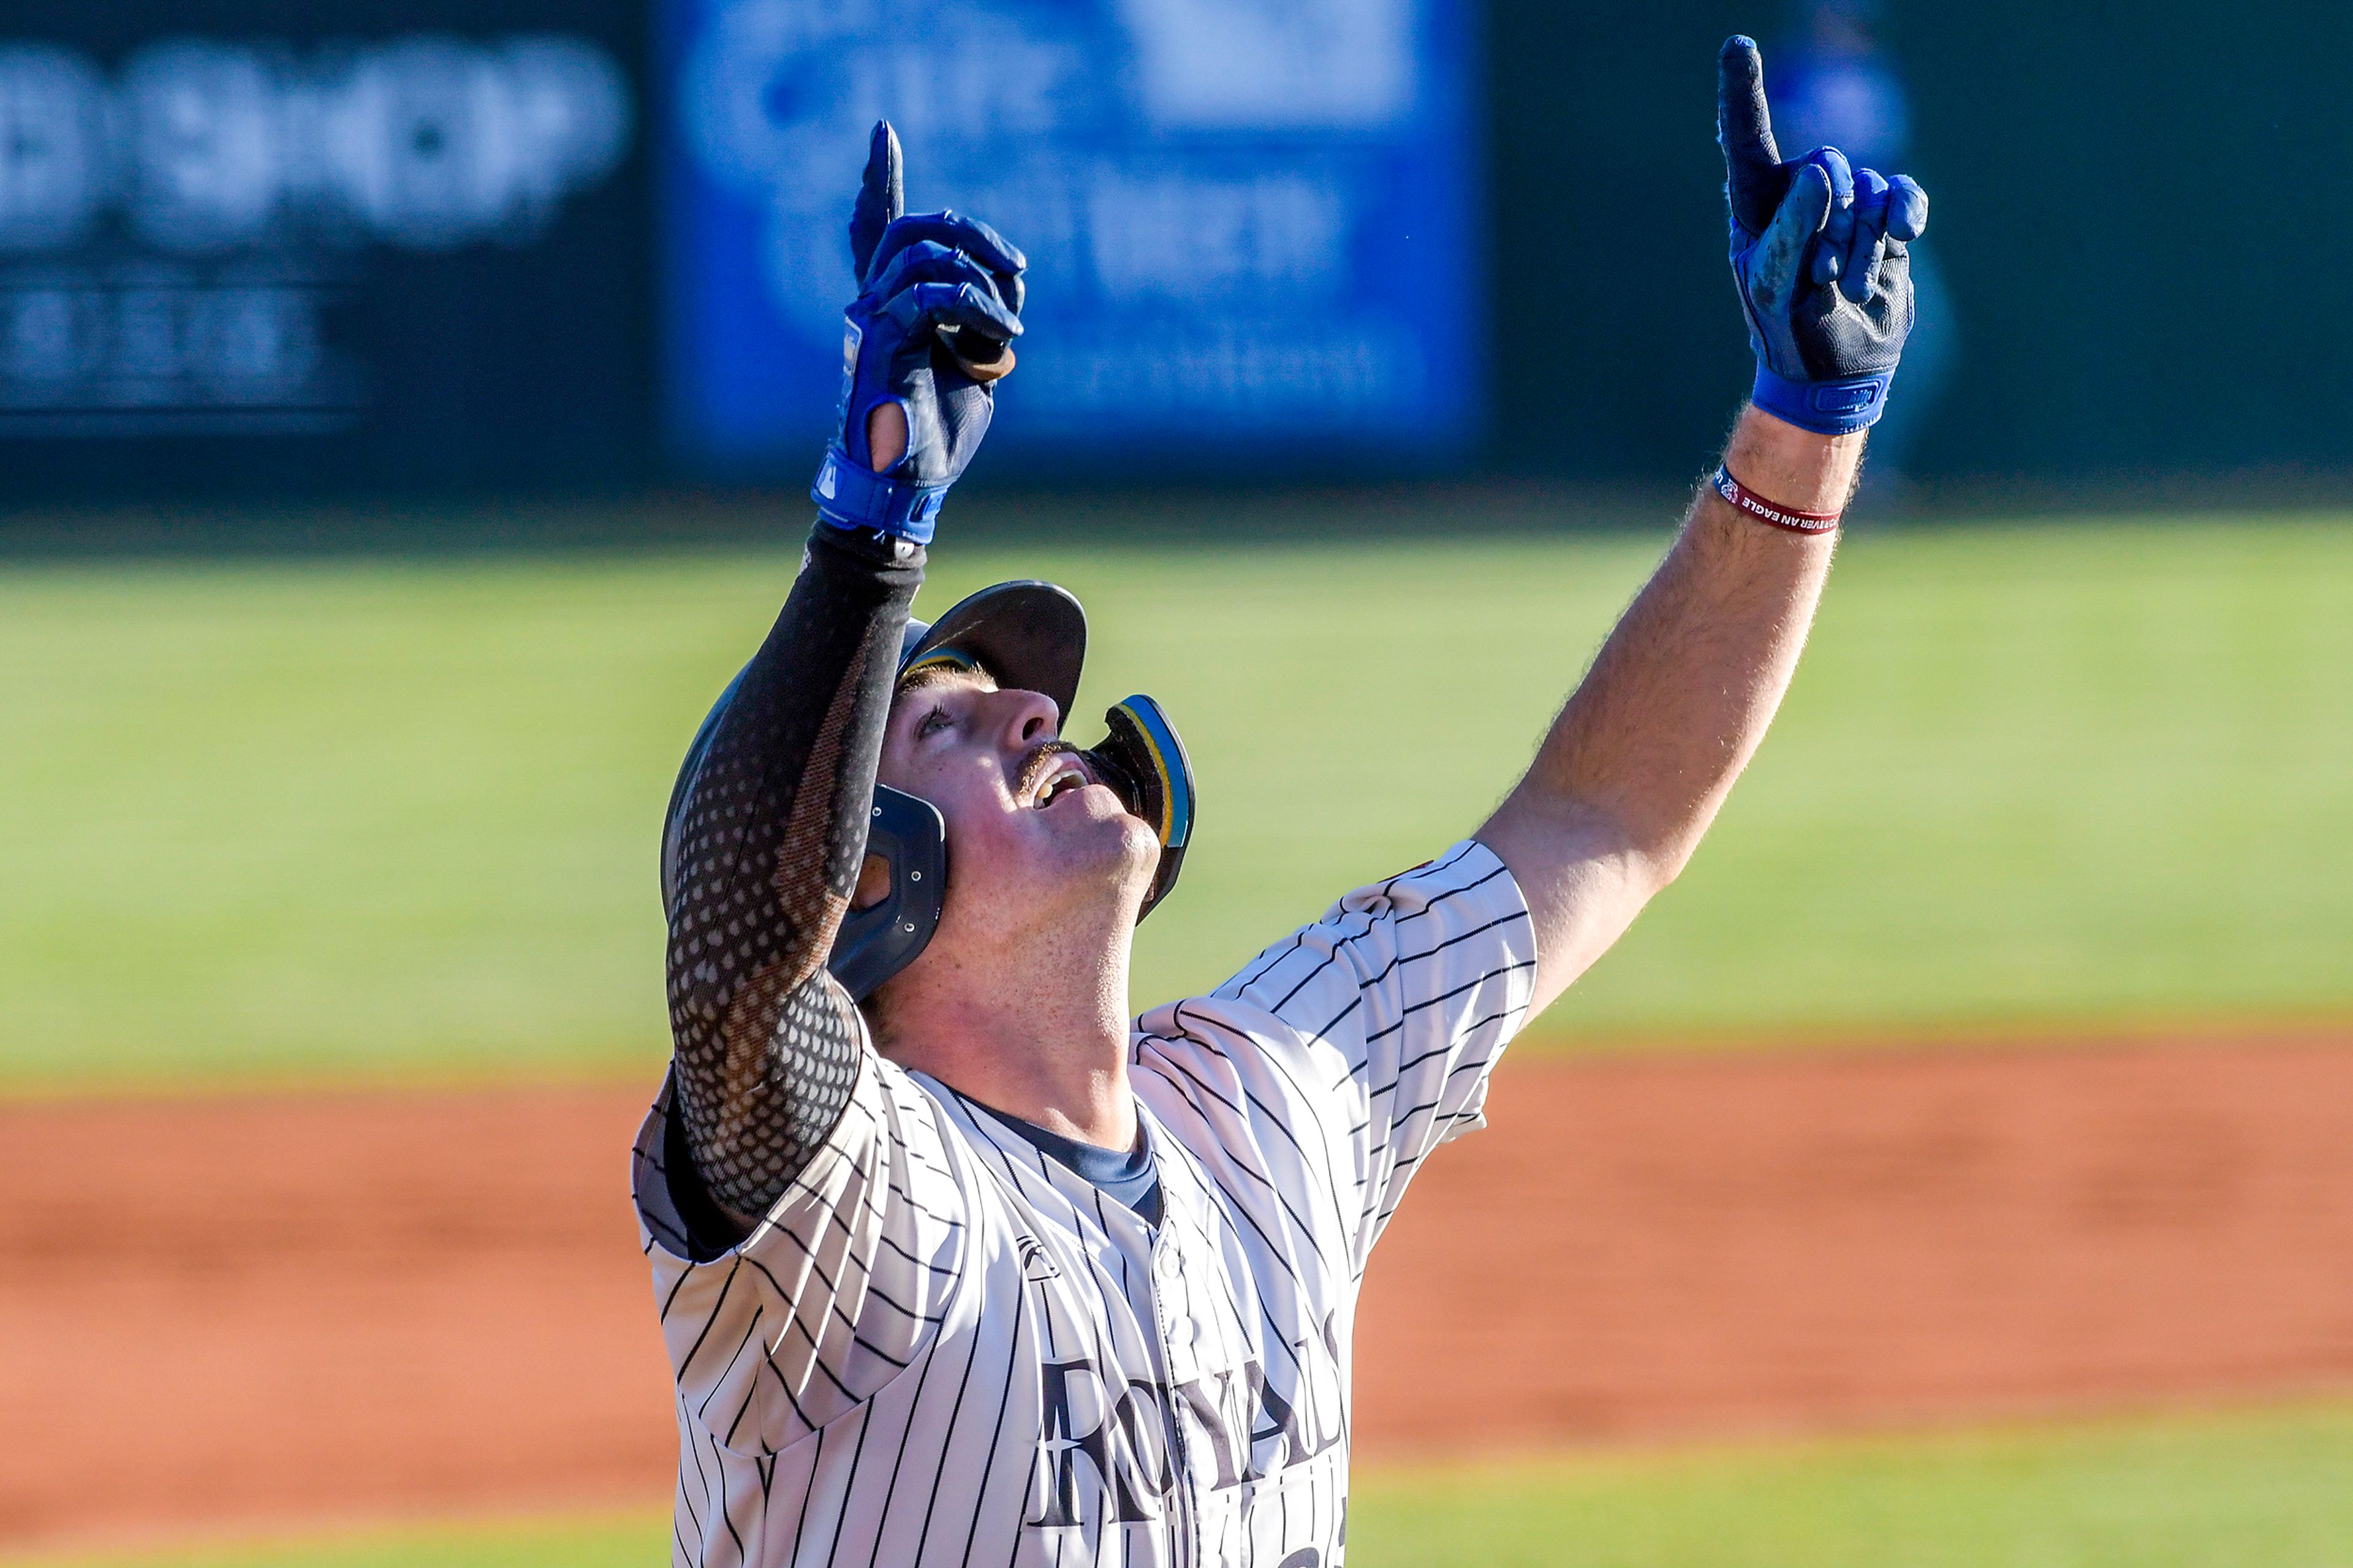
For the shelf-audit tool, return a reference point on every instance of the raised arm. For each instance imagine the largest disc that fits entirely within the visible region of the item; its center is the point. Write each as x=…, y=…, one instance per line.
x=767, y=825
x=1641, y=757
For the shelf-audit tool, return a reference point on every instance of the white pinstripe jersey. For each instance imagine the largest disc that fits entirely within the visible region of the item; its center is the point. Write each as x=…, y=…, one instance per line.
x=940, y=1346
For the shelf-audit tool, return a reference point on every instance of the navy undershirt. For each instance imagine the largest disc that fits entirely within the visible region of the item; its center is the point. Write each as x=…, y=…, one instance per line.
x=1127, y=1176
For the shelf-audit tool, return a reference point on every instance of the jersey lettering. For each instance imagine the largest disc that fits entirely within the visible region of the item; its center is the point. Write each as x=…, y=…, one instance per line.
x=1107, y=1442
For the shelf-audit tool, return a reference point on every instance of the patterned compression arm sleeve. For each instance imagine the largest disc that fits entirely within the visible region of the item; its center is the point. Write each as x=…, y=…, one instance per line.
x=768, y=831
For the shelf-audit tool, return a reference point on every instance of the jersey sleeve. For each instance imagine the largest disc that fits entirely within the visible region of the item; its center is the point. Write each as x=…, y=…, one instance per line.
x=1370, y=1034
x=842, y=1281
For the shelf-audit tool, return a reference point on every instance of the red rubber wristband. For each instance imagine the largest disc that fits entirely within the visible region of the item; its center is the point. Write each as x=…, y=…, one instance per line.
x=1743, y=498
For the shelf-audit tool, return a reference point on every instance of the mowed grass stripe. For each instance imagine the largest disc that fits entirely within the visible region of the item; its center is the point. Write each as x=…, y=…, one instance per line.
x=2248, y=1491
x=2261, y=1489
x=321, y=818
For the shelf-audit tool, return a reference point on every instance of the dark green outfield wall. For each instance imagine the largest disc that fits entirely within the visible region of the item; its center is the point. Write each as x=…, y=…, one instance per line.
x=2145, y=213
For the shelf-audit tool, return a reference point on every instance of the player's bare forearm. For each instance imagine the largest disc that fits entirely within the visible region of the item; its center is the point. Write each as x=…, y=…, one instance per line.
x=1647, y=747
x=1641, y=758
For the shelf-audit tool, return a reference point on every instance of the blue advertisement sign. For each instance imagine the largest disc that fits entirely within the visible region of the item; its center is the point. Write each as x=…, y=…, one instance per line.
x=1250, y=223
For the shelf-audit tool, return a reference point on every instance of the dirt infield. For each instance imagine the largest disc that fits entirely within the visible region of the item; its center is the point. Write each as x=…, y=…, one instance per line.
x=222, y=1311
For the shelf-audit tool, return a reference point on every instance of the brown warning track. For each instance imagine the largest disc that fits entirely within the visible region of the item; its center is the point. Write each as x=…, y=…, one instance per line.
x=218, y=1312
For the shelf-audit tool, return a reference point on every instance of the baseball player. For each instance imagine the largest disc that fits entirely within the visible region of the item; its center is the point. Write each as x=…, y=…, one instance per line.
x=957, y=1263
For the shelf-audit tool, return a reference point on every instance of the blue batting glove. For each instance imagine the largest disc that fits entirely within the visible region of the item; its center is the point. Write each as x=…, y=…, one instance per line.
x=939, y=304
x=1820, y=255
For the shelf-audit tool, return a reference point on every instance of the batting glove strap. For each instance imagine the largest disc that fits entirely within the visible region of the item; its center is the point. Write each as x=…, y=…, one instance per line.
x=1825, y=407
x=851, y=496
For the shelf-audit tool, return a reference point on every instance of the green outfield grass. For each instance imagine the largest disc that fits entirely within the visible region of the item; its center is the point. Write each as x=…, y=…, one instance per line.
x=2248, y=1491
x=2256, y=1490
x=388, y=819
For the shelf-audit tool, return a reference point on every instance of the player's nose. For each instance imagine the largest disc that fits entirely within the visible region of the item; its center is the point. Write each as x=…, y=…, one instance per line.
x=1026, y=718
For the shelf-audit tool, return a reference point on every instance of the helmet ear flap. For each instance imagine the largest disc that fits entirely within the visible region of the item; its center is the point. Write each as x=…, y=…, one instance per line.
x=877, y=941
x=1145, y=763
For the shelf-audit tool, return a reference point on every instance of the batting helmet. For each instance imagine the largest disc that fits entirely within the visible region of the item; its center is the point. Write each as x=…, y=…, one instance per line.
x=1025, y=635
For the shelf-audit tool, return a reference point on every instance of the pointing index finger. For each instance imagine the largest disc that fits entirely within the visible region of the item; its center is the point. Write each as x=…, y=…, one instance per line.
x=1744, y=127
x=882, y=196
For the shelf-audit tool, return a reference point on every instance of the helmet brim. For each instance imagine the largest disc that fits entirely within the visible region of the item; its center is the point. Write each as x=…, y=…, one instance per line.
x=1028, y=636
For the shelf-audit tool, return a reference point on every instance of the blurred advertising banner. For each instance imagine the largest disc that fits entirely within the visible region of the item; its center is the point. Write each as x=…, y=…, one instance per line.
x=1252, y=224
x=268, y=244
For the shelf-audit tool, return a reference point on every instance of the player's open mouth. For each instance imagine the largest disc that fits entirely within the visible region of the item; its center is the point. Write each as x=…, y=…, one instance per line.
x=1066, y=779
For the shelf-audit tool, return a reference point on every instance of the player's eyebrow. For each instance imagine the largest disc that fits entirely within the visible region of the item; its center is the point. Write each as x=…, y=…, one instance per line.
x=930, y=675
